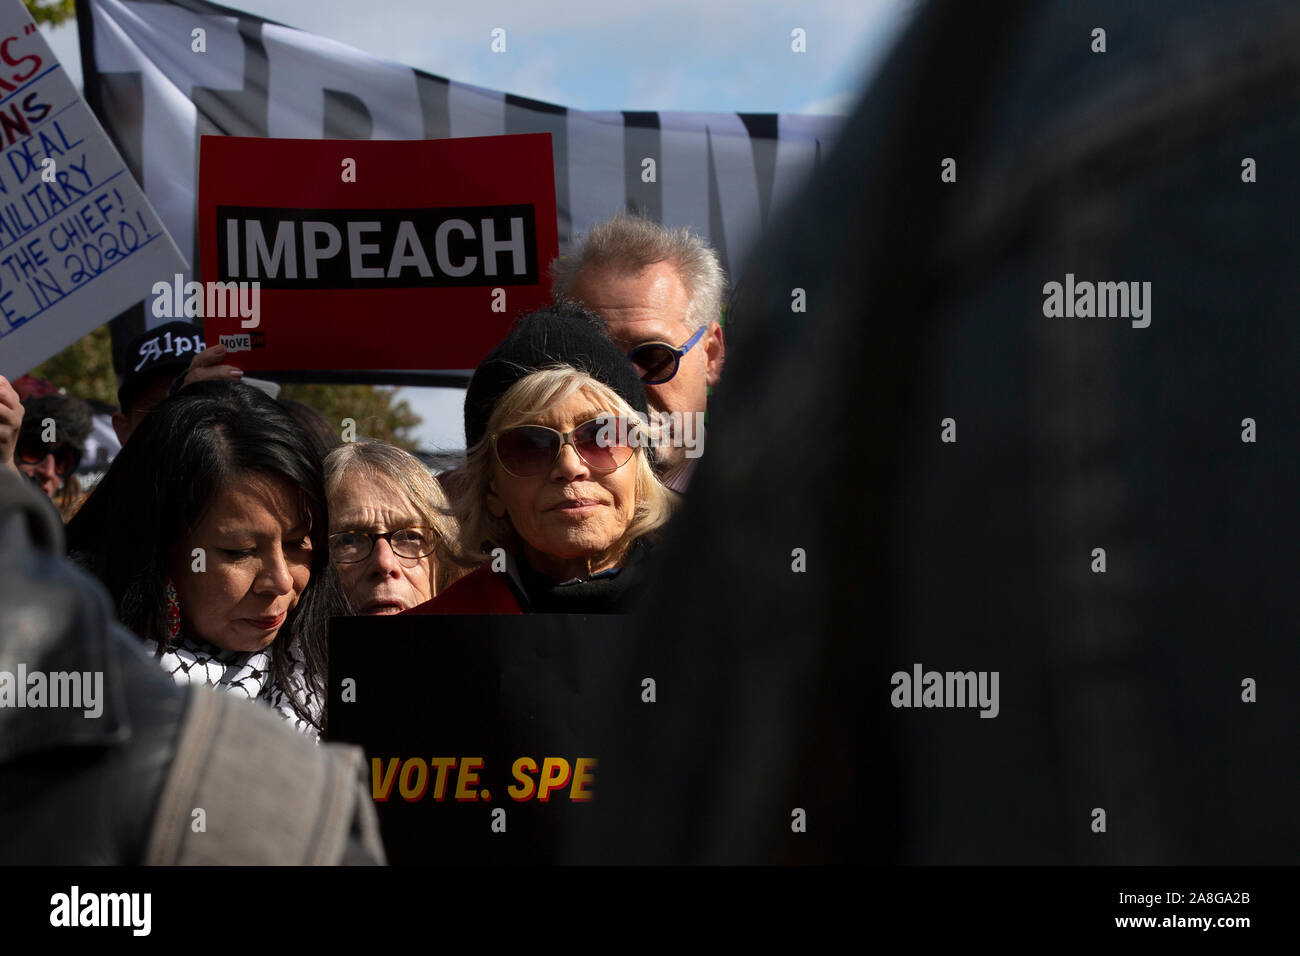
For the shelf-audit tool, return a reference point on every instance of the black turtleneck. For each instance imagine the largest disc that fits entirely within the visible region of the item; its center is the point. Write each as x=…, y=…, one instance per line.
x=609, y=592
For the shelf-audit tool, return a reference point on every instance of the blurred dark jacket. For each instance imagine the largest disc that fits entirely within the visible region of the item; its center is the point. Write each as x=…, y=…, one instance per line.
x=1119, y=690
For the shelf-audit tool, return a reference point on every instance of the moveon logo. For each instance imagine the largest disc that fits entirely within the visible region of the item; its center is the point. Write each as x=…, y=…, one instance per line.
x=58, y=689
x=102, y=909
x=947, y=689
x=243, y=341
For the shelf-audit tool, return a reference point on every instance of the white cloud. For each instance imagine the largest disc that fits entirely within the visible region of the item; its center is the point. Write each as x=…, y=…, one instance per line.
x=442, y=409
x=837, y=104
x=673, y=54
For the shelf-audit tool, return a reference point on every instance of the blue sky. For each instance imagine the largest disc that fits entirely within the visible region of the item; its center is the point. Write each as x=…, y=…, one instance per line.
x=604, y=55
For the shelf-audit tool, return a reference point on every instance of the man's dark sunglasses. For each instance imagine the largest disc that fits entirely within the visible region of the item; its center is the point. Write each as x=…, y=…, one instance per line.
x=32, y=451
x=658, y=361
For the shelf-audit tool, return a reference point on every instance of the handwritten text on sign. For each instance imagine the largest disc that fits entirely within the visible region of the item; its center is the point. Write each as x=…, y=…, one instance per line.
x=70, y=212
x=56, y=236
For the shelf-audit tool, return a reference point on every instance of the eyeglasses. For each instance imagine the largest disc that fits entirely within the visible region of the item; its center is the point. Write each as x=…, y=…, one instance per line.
x=349, y=547
x=32, y=451
x=526, y=451
x=658, y=361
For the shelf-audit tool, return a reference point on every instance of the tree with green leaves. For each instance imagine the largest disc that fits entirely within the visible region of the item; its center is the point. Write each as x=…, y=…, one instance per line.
x=375, y=410
x=85, y=368
x=52, y=12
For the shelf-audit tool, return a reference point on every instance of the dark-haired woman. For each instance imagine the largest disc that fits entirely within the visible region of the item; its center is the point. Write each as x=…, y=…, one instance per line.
x=209, y=530
x=52, y=465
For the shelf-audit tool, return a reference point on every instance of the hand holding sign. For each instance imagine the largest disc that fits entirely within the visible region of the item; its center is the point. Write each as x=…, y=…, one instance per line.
x=206, y=366
x=11, y=421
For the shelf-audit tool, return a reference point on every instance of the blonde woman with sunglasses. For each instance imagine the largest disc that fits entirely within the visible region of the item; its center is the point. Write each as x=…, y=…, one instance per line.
x=560, y=493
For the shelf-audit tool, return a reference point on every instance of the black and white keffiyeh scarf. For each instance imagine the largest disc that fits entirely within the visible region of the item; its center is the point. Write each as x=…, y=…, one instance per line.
x=247, y=673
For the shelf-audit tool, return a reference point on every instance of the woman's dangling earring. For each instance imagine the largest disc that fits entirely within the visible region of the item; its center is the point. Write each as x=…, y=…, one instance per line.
x=173, y=610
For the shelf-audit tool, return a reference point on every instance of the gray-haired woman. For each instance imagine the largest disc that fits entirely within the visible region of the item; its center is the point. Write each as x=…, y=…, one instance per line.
x=392, y=534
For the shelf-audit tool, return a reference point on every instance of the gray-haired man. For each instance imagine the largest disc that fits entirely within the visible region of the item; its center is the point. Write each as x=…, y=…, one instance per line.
x=660, y=292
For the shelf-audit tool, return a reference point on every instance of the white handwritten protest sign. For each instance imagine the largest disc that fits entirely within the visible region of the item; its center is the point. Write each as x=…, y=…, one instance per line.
x=79, y=242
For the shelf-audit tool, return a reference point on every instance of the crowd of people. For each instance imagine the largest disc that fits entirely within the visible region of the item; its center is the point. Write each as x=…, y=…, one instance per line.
x=231, y=526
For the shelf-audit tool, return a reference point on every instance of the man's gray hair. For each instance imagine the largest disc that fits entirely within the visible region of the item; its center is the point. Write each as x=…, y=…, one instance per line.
x=629, y=243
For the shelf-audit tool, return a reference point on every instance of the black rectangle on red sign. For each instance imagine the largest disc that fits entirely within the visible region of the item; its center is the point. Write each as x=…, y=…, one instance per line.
x=288, y=248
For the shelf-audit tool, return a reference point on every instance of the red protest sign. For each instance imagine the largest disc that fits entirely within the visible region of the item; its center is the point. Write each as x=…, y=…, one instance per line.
x=369, y=254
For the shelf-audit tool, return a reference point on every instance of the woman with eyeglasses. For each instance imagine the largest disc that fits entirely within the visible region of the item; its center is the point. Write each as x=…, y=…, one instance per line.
x=392, y=534
x=560, y=493
x=50, y=445
x=210, y=532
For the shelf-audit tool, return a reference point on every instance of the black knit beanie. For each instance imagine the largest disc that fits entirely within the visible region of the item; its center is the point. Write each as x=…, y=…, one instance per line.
x=72, y=418
x=563, y=334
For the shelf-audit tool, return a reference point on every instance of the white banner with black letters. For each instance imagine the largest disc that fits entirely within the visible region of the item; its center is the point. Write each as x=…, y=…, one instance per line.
x=723, y=174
